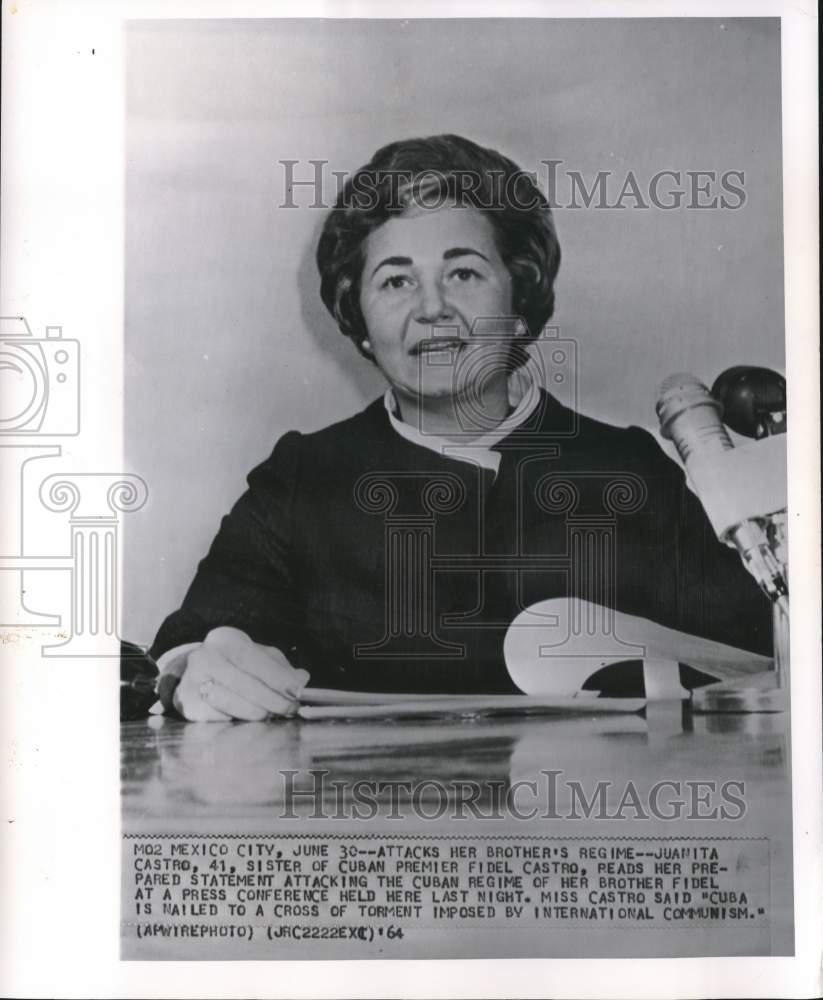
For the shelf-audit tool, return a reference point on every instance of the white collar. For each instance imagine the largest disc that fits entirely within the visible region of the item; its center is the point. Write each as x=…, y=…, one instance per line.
x=524, y=395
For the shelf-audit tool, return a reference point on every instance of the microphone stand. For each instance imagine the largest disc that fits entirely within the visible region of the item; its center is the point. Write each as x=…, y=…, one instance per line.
x=752, y=402
x=766, y=691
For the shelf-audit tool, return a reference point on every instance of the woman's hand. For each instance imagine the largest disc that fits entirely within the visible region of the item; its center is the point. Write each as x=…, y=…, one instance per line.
x=231, y=677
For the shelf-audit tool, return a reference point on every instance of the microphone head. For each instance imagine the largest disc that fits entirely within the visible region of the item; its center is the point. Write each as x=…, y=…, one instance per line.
x=753, y=399
x=680, y=393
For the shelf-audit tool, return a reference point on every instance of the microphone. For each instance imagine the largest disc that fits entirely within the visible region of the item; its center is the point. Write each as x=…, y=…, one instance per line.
x=690, y=416
x=754, y=400
x=754, y=405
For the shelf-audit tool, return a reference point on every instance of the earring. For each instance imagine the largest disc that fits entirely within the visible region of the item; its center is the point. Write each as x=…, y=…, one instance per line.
x=365, y=343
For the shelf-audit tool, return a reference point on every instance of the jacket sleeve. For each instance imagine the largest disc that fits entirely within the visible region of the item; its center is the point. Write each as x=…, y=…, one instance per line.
x=698, y=584
x=248, y=578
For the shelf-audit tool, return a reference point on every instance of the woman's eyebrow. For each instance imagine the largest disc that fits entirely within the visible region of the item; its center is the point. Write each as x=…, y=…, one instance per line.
x=463, y=252
x=447, y=255
x=395, y=261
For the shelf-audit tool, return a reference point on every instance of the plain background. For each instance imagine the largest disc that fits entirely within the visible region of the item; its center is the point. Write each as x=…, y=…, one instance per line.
x=227, y=344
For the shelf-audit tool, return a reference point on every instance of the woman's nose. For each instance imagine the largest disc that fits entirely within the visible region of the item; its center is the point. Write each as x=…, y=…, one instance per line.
x=431, y=306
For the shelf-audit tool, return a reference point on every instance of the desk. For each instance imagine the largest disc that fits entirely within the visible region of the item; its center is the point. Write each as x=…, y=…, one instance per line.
x=180, y=778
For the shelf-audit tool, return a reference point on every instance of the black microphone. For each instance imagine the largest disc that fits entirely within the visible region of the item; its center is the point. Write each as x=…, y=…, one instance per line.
x=690, y=416
x=753, y=400
x=138, y=676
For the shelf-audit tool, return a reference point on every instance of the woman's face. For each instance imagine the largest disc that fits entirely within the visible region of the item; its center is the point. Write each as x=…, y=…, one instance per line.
x=427, y=278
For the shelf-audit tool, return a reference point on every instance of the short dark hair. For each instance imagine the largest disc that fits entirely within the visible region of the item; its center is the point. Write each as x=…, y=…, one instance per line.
x=405, y=174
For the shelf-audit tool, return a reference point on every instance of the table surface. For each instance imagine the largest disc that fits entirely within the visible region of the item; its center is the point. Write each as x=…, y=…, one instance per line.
x=200, y=778
x=173, y=770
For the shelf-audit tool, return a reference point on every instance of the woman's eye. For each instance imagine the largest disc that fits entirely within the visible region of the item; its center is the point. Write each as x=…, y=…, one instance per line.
x=396, y=281
x=463, y=274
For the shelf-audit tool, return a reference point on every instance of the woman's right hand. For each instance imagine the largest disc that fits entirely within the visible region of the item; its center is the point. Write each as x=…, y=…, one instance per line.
x=231, y=677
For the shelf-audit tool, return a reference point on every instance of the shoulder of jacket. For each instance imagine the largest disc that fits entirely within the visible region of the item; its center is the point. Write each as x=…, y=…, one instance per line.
x=632, y=446
x=298, y=454
x=365, y=422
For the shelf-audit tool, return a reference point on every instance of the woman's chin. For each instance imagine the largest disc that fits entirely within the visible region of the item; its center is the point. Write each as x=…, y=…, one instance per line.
x=438, y=387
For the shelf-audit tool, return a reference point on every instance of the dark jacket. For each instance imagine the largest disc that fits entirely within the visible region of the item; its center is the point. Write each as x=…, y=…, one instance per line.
x=376, y=563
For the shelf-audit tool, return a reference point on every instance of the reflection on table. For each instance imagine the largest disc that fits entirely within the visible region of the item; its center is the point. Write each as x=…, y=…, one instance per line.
x=175, y=770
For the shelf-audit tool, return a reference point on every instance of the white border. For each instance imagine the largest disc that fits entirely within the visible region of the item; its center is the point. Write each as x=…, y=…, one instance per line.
x=62, y=205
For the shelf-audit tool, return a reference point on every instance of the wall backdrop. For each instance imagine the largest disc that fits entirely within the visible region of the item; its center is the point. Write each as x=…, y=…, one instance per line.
x=227, y=344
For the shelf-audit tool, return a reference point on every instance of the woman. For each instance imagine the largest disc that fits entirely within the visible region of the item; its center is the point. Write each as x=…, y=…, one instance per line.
x=391, y=551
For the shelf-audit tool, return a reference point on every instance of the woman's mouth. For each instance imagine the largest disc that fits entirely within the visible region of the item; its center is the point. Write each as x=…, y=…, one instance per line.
x=438, y=345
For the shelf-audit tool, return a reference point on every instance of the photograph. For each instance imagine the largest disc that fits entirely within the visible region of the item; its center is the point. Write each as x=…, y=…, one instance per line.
x=496, y=582
x=409, y=466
